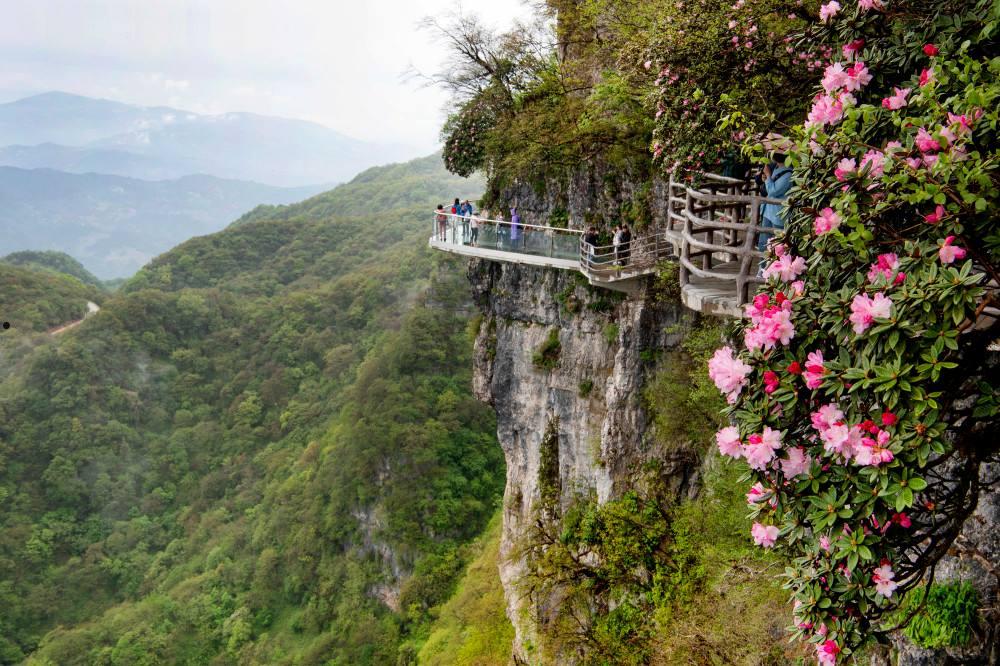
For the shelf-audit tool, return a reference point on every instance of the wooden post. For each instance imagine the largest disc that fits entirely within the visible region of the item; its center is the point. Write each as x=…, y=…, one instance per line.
x=685, y=276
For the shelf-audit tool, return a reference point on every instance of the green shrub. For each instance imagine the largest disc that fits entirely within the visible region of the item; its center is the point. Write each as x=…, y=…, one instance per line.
x=611, y=333
x=946, y=619
x=547, y=356
x=586, y=386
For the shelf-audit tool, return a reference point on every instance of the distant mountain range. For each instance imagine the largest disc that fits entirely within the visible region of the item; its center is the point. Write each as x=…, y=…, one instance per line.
x=80, y=135
x=114, y=225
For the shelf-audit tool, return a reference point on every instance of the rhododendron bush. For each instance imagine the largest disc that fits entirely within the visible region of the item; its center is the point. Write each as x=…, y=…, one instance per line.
x=858, y=383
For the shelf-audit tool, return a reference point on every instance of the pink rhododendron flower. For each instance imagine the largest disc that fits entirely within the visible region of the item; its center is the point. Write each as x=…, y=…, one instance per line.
x=851, y=49
x=842, y=439
x=826, y=221
x=936, y=216
x=828, y=11
x=926, y=77
x=902, y=520
x=931, y=50
x=868, y=5
x=834, y=77
x=875, y=161
x=728, y=372
x=845, y=167
x=914, y=162
x=798, y=462
x=963, y=122
x=897, y=100
x=882, y=577
x=757, y=493
x=787, y=268
x=764, y=535
x=824, y=543
x=760, y=449
x=772, y=323
x=889, y=419
x=728, y=441
x=874, y=451
x=948, y=253
x=798, y=288
x=813, y=374
x=794, y=368
x=858, y=77
x=826, y=652
x=886, y=266
x=865, y=310
x=825, y=111
x=771, y=382
x=826, y=417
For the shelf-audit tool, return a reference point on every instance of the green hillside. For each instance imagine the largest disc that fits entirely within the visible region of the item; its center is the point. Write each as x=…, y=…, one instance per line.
x=58, y=262
x=264, y=450
x=33, y=300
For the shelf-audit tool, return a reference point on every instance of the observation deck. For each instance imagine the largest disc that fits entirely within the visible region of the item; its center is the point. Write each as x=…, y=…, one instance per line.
x=712, y=229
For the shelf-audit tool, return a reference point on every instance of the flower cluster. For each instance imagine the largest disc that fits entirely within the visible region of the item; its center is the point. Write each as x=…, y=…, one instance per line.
x=850, y=351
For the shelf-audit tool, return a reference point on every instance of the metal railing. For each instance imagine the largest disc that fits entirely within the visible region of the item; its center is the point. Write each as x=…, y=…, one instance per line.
x=520, y=238
x=712, y=228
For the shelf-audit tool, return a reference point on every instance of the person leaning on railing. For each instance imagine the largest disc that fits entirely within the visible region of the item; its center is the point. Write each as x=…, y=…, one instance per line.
x=473, y=229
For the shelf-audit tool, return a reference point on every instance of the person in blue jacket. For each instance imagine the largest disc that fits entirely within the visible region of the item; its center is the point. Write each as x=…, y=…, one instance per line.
x=777, y=182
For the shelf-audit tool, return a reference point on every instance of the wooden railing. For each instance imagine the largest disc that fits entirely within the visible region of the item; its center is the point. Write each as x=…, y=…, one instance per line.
x=712, y=227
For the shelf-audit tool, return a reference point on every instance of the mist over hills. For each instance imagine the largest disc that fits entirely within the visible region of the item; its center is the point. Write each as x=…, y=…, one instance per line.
x=80, y=134
x=114, y=225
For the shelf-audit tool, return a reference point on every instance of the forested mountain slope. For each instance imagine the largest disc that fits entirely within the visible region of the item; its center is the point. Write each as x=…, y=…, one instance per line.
x=264, y=450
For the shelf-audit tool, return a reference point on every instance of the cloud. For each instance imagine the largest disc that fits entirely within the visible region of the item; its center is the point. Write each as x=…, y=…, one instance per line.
x=171, y=84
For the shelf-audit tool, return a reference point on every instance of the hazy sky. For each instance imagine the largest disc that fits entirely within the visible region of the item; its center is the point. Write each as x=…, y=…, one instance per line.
x=334, y=62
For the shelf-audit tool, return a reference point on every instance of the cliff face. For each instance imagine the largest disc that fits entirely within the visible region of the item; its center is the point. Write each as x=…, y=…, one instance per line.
x=589, y=401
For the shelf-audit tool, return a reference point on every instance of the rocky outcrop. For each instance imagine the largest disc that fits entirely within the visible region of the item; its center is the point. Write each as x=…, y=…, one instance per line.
x=586, y=390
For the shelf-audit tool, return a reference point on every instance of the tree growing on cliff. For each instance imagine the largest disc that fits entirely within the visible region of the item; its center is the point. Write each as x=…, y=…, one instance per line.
x=864, y=398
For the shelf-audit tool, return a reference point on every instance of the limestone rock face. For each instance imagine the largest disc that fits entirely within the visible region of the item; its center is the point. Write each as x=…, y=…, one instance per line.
x=593, y=392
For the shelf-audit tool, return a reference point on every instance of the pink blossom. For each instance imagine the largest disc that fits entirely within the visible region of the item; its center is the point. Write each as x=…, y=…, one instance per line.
x=867, y=5
x=931, y=50
x=935, y=217
x=826, y=221
x=829, y=10
x=798, y=462
x=882, y=577
x=875, y=160
x=771, y=382
x=647, y=64
x=845, y=167
x=825, y=111
x=902, y=520
x=764, y=535
x=771, y=322
x=852, y=48
x=834, y=78
x=760, y=449
x=897, y=100
x=757, y=493
x=886, y=266
x=858, y=77
x=948, y=253
x=874, y=451
x=964, y=124
x=814, y=371
x=926, y=76
x=787, y=268
x=826, y=652
x=728, y=372
x=842, y=439
x=824, y=543
x=826, y=417
x=798, y=288
x=865, y=310
x=728, y=441
x=914, y=162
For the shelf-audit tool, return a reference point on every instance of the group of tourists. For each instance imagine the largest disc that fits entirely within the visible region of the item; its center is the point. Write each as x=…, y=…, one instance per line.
x=621, y=245
x=466, y=224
